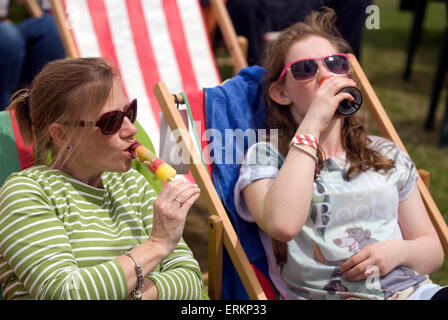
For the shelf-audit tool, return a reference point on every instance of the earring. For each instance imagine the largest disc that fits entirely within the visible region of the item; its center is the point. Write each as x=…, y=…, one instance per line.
x=69, y=147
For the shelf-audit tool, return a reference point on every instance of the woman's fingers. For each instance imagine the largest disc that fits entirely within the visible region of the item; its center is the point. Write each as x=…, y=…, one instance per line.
x=173, y=189
x=190, y=201
x=186, y=194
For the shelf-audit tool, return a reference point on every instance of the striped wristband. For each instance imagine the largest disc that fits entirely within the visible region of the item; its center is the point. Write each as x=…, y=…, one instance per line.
x=305, y=139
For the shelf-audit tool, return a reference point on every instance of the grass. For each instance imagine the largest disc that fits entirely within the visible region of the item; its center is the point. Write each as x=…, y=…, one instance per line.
x=383, y=59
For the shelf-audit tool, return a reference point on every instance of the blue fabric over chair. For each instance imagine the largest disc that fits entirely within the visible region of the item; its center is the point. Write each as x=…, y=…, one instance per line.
x=237, y=104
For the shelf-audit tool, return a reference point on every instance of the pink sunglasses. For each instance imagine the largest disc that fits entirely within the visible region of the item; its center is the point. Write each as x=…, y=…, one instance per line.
x=306, y=69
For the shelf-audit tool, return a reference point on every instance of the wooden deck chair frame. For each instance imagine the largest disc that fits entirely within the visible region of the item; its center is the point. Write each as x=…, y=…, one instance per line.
x=220, y=228
x=33, y=8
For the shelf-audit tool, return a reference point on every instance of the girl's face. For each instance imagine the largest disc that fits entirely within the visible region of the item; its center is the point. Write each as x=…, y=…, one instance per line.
x=299, y=94
x=97, y=152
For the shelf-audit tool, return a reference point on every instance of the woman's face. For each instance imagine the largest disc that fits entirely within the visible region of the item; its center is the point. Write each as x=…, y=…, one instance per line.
x=97, y=152
x=299, y=94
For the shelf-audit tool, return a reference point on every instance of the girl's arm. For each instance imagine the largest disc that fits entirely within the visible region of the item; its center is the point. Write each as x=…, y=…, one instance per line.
x=419, y=250
x=423, y=250
x=280, y=206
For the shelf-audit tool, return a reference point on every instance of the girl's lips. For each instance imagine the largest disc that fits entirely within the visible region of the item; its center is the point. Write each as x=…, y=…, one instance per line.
x=322, y=81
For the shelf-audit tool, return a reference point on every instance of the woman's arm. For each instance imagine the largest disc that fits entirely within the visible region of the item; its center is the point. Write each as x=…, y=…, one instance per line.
x=179, y=276
x=36, y=247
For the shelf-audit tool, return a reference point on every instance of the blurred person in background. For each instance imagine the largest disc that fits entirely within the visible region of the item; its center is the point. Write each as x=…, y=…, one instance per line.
x=25, y=48
x=256, y=19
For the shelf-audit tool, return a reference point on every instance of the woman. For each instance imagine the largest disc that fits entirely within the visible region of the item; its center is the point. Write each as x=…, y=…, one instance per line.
x=87, y=226
x=345, y=202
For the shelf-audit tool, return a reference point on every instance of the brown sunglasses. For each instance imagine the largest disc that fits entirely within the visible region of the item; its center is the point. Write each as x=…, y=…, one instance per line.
x=111, y=122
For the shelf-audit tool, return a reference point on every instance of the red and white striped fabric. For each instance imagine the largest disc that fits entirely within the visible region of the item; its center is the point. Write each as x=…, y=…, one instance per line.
x=149, y=41
x=306, y=140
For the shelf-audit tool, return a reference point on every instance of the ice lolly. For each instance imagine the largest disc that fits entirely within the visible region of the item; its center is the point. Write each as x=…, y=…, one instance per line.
x=162, y=170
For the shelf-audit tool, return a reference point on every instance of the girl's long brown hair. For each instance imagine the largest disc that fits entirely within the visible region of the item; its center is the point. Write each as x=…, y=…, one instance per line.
x=355, y=138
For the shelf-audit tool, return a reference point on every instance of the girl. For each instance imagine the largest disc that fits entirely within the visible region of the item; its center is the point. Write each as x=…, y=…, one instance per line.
x=344, y=202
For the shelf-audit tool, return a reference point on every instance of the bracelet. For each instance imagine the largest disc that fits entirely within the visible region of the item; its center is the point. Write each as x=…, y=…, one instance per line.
x=136, y=294
x=306, y=139
x=295, y=145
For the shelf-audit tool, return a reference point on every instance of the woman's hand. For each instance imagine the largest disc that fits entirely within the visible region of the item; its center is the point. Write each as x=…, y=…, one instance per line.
x=170, y=211
x=384, y=255
x=325, y=101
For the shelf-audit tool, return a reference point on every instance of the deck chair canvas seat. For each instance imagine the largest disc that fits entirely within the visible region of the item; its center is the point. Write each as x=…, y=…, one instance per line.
x=237, y=105
x=147, y=40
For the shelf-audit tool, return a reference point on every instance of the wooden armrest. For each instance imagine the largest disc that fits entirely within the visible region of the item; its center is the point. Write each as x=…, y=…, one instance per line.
x=425, y=176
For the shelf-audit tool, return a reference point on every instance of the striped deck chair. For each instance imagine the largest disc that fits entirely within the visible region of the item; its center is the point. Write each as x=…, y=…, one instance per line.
x=231, y=275
x=223, y=111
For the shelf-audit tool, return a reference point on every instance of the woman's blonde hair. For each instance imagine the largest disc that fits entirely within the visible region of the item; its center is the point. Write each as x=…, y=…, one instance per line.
x=62, y=92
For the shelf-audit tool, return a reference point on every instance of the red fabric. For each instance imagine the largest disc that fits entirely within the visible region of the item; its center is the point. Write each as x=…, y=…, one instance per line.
x=265, y=284
x=104, y=34
x=197, y=100
x=174, y=23
x=145, y=54
x=25, y=152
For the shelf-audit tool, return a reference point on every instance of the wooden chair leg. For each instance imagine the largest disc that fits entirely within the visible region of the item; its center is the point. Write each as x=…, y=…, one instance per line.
x=215, y=245
x=33, y=8
x=229, y=35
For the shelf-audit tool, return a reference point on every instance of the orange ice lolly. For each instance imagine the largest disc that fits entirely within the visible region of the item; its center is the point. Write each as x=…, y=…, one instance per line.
x=162, y=170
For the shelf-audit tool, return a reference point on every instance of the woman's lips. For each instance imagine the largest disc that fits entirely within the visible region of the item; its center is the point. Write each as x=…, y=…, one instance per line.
x=133, y=146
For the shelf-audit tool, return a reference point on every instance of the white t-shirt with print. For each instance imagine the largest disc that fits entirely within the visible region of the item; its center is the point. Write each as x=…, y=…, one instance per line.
x=345, y=216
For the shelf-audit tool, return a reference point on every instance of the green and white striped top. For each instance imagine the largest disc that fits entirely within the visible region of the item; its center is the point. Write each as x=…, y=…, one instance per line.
x=59, y=238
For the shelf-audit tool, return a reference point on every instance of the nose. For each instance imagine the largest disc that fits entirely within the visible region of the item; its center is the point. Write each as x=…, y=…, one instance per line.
x=128, y=129
x=323, y=73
